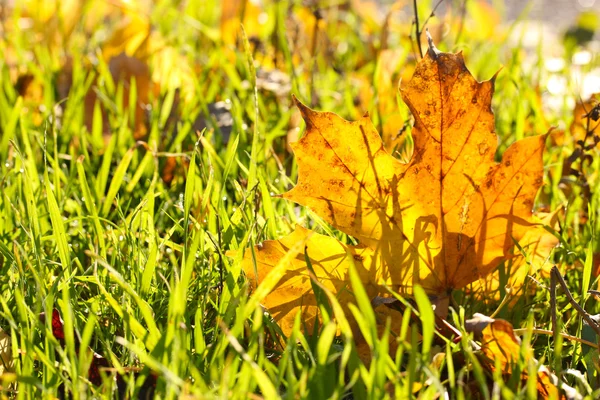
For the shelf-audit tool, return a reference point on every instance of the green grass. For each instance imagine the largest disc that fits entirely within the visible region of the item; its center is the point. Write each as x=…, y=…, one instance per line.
x=137, y=267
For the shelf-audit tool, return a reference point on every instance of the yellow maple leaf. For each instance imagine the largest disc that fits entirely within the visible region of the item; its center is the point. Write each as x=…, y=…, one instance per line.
x=133, y=35
x=499, y=344
x=443, y=220
x=330, y=260
x=537, y=245
x=502, y=349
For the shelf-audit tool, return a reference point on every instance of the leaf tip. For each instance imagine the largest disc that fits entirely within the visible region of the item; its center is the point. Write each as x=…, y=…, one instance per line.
x=493, y=79
x=295, y=100
x=550, y=132
x=303, y=109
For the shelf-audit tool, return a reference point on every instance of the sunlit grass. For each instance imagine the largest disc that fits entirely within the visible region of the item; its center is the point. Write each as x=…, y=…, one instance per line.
x=91, y=225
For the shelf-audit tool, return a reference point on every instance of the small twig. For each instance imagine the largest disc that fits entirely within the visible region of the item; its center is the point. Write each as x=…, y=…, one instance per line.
x=595, y=293
x=418, y=32
x=575, y=305
x=538, y=283
x=522, y=331
x=412, y=45
x=432, y=13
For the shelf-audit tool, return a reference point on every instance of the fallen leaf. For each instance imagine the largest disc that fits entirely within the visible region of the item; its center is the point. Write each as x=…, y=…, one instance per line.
x=442, y=221
x=538, y=244
x=382, y=314
x=372, y=13
x=132, y=36
x=241, y=12
x=32, y=91
x=500, y=347
x=6, y=358
x=498, y=342
x=54, y=19
x=171, y=70
x=581, y=124
x=124, y=70
x=483, y=22
x=330, y=260
x=447, y=217
x=307, y=28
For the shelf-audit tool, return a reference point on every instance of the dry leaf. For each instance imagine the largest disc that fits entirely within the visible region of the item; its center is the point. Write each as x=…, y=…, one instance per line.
x=32, y=91
x=482, y=23
x=443, y=220
x=124, y=70
x=447, y=217
x=538, y=245
x=172, y=70
x=382, y=314
x=133, y=34
x=500, y=347
x=499, y=343
x=232, y=13
x=135, y=39
x=307, y=30
x=6, y=359
x=330, y=261
x=581, y=123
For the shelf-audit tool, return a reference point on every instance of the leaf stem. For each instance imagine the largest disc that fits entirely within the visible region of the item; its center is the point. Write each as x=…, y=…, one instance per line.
x=522, y=331
x=575, y=305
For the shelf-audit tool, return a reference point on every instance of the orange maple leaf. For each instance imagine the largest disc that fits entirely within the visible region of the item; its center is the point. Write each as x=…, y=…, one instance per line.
x=532, y=260
x=442, y=221
x=501, y=348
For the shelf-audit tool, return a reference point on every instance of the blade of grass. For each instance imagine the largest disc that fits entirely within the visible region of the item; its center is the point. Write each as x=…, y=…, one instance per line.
x=116, y=182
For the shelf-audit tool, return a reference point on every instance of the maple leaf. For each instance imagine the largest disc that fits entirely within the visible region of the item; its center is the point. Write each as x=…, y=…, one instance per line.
x=330, y=261
x=537, y=244
x=443, y=220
